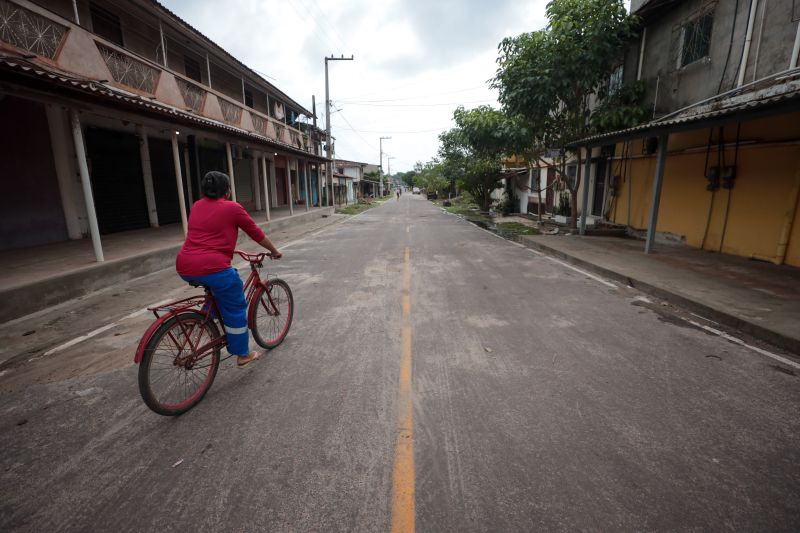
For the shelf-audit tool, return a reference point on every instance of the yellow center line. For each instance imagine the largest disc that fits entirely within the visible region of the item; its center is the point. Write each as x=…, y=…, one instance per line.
x=403, y=511
x=408, y=229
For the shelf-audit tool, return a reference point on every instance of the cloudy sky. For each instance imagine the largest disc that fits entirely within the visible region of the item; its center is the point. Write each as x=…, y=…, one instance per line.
x=415, y=61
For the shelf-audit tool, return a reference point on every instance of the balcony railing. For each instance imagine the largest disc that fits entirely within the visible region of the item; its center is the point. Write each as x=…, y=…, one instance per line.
x=30, y=31
x=44, y=34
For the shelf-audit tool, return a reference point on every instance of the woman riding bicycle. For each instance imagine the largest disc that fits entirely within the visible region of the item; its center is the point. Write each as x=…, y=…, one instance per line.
x=205, y=257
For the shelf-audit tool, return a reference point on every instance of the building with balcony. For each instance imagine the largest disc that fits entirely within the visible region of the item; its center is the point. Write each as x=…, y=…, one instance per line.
x=114, y=110
x=718, y=166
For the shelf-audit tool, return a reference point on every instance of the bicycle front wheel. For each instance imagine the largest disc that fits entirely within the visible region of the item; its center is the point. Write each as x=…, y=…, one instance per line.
x=173, y=376
x=272, y=313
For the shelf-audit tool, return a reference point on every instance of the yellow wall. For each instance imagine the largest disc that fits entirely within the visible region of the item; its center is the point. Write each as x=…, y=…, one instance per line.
x=756, y=207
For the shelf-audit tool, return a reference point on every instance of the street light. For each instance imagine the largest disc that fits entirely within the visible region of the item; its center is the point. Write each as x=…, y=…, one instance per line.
x=380, y=184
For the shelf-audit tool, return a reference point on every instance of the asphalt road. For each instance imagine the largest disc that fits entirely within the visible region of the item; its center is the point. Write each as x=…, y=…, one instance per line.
x=542, y=400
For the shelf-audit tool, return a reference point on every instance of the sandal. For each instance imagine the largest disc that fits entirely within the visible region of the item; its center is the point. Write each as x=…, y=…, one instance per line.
x=252, y=356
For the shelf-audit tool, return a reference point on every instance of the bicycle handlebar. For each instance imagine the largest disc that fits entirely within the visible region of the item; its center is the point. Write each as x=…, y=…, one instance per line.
x=253, y=258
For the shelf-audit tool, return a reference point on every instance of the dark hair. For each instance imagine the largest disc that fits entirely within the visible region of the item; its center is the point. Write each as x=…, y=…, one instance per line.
x=215, y=184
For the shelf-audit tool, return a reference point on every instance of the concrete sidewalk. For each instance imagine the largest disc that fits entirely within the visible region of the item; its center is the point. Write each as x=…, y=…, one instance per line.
x=757, y=298
x=34, y=278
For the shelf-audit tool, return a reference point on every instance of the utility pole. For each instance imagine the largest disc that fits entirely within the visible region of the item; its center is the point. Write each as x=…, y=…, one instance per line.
x=328, y=163
x=389, y=165
x=380, y=180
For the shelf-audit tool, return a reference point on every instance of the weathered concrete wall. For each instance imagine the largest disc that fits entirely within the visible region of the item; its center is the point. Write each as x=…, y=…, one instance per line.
x=671, y=86
x=30, y=203
x=746, y=220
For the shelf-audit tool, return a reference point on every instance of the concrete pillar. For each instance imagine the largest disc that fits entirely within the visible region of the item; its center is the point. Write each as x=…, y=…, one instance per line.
x=56, y=121
x=230, y=170
x=147, y=176
x=585, y=193
x=256, y=181
x=307, y=182
x=319, y=183
x=188, y=173
x=289, y=184
x=661, y=160
x=83, y=167
x=266, y=185
x=176, y=158
x=273, y=186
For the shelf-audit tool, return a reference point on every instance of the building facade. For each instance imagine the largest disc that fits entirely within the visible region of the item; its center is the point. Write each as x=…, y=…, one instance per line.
x=718, y=165
x=119, y=108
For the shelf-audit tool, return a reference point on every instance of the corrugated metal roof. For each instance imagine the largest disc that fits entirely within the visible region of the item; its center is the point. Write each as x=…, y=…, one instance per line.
x=113, y=94
x=779, y=96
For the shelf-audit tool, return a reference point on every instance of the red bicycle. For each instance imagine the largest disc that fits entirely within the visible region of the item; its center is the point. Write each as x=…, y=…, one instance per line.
x=179, y=354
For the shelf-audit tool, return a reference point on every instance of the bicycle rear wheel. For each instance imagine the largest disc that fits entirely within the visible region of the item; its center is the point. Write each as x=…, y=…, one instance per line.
x=169, y=381
x=272, y=313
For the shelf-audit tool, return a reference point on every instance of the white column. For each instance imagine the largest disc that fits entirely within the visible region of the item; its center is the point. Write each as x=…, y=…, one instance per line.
x=307, y=181
x=56, y=122
x=585, y=182
x=266, y=185
x=273, y=199
x=289, y=184
x=256, y=181
x=176, y=158
x=319, y=183
x=230, y=170
x=147, y=176
x=80, y=153
x=188, y=173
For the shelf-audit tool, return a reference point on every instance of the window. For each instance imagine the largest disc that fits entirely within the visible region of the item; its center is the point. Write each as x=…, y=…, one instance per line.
x=615, y=82
x=535, y=176
x=106, y=24
x=696, y=39
x=572, y=175
x=192, y=68
x=248, y=98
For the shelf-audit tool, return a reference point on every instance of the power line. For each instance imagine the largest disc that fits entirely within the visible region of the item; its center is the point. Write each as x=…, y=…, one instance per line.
x=402, y=132
x=424, y=105
x=356, y=131
x=332, y=27
x=353, y=100
x=328, y=38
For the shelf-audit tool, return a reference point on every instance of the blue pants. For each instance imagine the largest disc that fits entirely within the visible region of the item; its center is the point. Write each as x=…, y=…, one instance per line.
x=228, y=291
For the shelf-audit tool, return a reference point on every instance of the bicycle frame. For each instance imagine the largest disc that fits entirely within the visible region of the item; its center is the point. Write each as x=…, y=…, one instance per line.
x=208, y=307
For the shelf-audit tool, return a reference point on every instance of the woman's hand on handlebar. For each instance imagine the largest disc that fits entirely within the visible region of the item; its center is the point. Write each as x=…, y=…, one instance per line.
x=275, y=254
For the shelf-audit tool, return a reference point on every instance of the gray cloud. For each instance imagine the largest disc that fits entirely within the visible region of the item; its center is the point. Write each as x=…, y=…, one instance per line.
x=452, y=31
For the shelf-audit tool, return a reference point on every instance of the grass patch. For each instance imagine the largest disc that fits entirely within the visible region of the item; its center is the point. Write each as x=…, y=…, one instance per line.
x=355, y=209
x=516, y=228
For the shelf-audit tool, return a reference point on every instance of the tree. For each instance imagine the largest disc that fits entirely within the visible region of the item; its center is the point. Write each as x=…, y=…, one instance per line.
x=430, y=176
x=546, y=77
x=476, y=173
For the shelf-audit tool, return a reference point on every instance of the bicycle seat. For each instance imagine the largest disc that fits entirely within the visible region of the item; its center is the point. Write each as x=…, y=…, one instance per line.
x=197, y=284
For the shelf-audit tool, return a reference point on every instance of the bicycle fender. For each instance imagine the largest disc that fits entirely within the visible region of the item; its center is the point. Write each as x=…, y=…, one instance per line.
x=137, y=358
x=251, y=309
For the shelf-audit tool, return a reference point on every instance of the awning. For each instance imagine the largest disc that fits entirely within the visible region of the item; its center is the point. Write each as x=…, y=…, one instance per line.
x=33, y=75
x=776, y=95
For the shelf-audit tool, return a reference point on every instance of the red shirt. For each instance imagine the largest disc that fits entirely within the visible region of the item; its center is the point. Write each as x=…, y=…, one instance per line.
x=213, y=230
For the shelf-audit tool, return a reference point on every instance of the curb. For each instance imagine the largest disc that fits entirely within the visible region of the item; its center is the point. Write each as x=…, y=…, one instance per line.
x=25, y=299
x=773, y=337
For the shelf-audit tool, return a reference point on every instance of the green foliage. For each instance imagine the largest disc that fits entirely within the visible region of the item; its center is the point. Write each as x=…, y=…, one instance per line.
x=514, y=229
x=429, y=176
x=564, y=207
x=408, y=178
x=546, y=77
x=620, y=110
x=510, y=203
